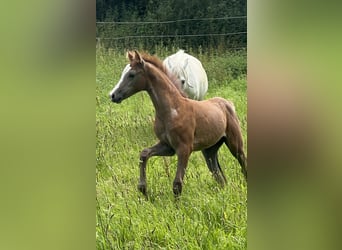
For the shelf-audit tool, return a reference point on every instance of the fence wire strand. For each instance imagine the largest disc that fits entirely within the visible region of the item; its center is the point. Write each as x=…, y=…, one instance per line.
x=175, y=21
x=167, y=36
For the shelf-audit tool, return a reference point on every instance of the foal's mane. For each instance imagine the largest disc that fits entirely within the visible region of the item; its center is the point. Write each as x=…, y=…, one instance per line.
x=159, y=64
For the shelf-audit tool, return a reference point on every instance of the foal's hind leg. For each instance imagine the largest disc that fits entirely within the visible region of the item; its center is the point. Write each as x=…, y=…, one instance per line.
x=210, y=155
x=160, y=149
x=235, y=146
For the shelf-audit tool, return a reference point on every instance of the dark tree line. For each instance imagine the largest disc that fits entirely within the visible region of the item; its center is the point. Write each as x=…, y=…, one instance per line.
x=172, y=34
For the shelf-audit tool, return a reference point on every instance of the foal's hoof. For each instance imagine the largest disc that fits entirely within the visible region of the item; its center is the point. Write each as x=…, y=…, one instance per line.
x=244, y=173
x=177, y=188
x=142, y=188
x=219, y=179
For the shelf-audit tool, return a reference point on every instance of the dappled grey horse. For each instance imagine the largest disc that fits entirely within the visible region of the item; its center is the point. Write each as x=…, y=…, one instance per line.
x=190, y=73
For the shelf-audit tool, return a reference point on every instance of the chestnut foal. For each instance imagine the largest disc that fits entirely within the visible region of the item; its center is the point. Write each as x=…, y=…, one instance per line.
x=182, y=125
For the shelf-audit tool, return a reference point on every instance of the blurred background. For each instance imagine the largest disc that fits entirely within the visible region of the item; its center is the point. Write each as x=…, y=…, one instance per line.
x=47, y=124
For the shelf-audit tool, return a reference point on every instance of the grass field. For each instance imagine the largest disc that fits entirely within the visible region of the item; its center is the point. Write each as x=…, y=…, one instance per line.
x=206, y=216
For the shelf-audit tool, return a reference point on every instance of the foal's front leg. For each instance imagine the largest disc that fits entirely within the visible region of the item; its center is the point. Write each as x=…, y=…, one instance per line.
x=160, y=149
x=183, y=154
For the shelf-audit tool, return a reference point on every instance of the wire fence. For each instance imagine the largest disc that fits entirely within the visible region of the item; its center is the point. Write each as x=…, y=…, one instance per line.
x=223, y=32
x=176, y=21
x=165, y=36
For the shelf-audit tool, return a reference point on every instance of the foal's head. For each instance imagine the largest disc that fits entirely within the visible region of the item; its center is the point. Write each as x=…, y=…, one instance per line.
x=132, y=78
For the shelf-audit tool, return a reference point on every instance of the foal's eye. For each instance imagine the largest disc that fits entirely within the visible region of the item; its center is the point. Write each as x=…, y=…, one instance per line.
x=130, y=75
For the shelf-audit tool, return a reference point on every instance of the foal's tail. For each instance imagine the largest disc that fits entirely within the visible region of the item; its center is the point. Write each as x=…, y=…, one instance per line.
x=233, y=122
x=230, y=106
x=234, y=139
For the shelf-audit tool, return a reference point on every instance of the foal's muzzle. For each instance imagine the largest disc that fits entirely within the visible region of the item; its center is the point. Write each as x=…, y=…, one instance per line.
x=117, y=98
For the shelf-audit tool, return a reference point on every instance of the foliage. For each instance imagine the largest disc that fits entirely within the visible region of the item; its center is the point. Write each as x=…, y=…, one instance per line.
x=168, y=10
x=206, y=216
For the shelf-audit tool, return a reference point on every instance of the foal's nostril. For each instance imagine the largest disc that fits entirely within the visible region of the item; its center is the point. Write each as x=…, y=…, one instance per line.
x=111, y=96
x=117, y=98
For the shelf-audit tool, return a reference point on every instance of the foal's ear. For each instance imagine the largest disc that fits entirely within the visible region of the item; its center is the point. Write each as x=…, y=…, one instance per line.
x=138, y=58
x=130, y=55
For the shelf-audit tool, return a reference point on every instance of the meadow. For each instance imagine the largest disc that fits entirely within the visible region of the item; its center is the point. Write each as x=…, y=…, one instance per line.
x=206, y=216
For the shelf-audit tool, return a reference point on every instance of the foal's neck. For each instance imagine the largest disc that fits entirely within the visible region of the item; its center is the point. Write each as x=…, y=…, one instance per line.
x=164, y=94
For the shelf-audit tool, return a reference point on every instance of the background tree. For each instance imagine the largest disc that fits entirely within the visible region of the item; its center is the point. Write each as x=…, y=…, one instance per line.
x=114, y=12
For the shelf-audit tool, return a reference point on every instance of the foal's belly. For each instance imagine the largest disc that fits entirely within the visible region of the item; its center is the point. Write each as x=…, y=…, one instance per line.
x=206, y=141
x=208, y=136
x=210, y=127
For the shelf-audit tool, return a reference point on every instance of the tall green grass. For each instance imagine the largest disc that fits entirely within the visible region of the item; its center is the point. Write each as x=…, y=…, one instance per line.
x=206, y=216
